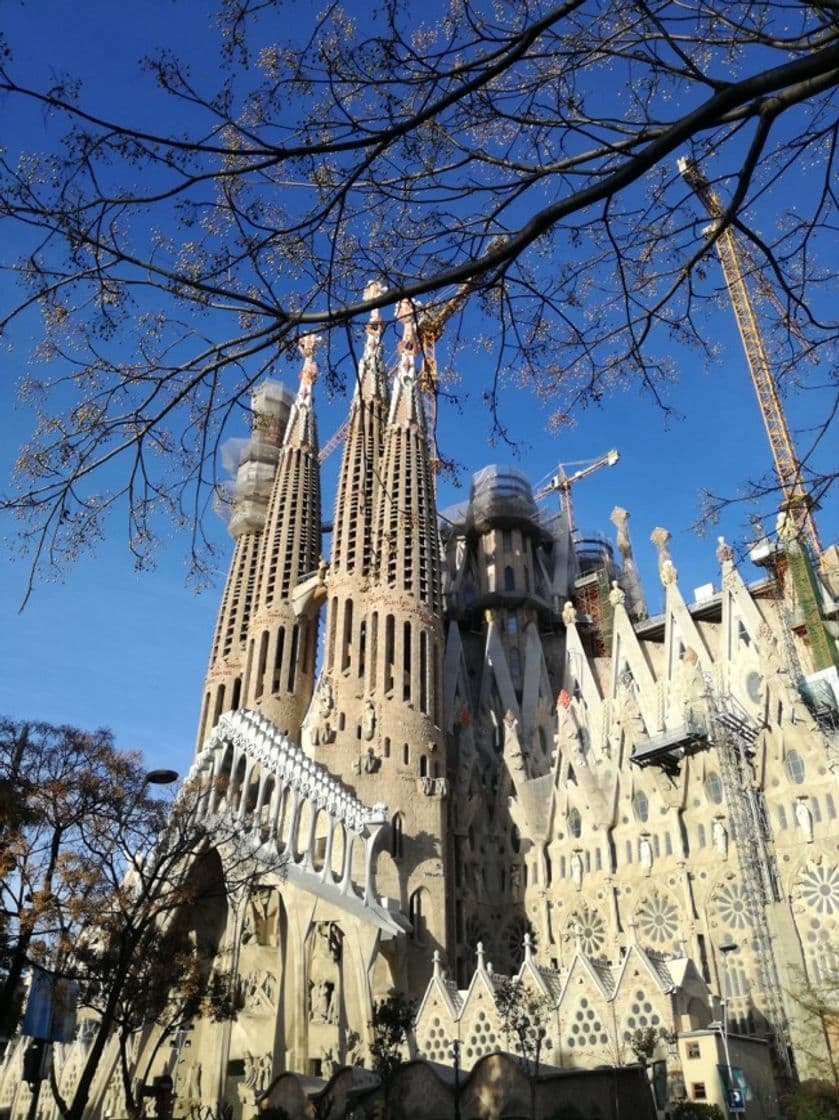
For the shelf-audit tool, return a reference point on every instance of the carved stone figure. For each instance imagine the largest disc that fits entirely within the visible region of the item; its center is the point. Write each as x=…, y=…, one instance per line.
x=804, y=820
x=617, y=596
x=577, y=870
x=569, y=614
x=323, y=731
x=261, y=918
x=629, y=717
x=666, y=569
x=368, y=720
x=645, y=853
x=193, y=1085
x=371, y=762
x=719, y=837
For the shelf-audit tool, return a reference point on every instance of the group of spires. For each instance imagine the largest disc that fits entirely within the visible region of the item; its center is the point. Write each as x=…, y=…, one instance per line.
x=264, y=648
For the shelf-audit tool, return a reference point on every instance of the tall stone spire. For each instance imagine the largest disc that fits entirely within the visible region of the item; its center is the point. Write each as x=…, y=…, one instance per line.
x=346, y=665
x=281, y=646
x=406, y=653
x=355, y=500
x=270, y=405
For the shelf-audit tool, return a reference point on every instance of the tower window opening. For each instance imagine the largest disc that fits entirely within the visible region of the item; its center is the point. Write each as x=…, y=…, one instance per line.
x=333, y=625
x=278, y=660
x=390, y=640
x=416, y=916
x=406, y=661
x=292, y=661
x=509, y=579
x=575, y=824
x=507, y=540
x=423, y=672
x=374, y=647
x=396, y=836
x=406, y=754
x=423, y=766
x=260, y=664
x=386, y=747
x=346, y=639
x=362, y=648
x=236, y=701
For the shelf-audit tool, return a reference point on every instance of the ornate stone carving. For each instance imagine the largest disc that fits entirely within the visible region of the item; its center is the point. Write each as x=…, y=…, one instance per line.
x=666, y=569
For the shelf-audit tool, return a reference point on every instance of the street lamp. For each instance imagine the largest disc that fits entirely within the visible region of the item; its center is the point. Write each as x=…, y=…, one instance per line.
x=726, y=947
x=161, y=777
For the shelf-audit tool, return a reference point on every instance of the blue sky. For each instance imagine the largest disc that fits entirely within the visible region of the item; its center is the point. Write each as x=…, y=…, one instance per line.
x=111, y=647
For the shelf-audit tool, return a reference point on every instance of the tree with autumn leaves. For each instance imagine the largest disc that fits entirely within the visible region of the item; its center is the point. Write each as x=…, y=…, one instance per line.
x=118, y=890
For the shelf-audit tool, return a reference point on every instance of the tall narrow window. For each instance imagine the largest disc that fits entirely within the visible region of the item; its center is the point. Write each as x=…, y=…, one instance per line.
x=292, y=660
x=406, y=661
x=390, y=641
x=396, y=837
x=346, y=639
x=423, y=673
x=362, y=648
x=260, y=664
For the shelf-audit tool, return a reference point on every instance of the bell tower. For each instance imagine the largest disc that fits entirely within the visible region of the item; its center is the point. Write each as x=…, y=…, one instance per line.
x=270, y=405
x=280, y=667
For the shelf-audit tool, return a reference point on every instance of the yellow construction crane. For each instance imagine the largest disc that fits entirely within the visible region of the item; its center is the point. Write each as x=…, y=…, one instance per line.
x=563, y=482
x=797, y=505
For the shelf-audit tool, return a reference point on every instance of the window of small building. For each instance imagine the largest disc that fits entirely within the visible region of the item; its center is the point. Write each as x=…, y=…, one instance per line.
x=698, y=1091
x=794, y=766
x=694, y=1050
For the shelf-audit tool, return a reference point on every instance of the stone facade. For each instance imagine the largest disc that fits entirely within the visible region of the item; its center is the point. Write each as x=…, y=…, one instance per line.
x=501, y=758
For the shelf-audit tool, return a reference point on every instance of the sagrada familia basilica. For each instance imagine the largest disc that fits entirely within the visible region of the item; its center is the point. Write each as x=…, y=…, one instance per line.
x=481, y=757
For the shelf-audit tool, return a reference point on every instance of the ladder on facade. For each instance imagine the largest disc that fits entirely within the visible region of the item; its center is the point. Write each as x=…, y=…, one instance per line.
x=734, y=734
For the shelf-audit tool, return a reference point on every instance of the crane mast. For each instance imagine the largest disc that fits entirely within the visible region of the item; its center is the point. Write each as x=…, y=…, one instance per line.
x=797, y=503
x=563, y=482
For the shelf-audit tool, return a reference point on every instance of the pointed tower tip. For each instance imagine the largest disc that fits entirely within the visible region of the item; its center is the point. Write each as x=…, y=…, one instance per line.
x=307, y=345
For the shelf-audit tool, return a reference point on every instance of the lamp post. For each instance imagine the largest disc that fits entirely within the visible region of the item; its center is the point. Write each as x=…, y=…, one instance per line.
x=727, y=946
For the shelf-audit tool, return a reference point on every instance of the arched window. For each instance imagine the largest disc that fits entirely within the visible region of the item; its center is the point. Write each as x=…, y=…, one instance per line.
x=575, y=824
x=423, y=769
x=713, y=787
x=416, y=915
x=794, y=766
x=396, y=837
x=515, y=839
x=641, y=805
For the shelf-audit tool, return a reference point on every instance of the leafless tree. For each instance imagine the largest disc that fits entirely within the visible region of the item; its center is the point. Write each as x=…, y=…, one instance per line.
x=523, y=148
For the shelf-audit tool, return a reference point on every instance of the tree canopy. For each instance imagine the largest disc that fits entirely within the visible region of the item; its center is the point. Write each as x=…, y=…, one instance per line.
x=526, y=150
